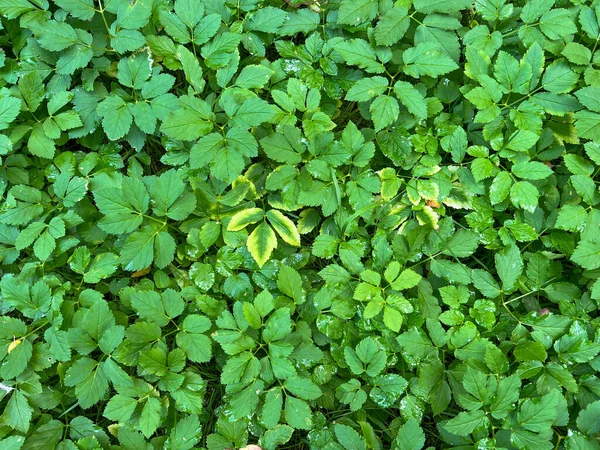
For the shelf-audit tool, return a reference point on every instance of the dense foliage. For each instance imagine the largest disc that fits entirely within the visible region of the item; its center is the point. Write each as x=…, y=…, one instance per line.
x=343, y=225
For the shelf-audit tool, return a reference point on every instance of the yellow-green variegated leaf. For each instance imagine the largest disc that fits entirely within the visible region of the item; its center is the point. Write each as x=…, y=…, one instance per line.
x=261, y=243
x=284, y=227
x=244, y=218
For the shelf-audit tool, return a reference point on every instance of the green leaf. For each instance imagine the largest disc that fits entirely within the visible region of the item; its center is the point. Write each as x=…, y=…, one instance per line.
x=392, y=26
x=192, y=340
x=32, y=90
x=207, y=27
x=191, y=68
x=392, y=318
x=174, y=26
x=463, y=244
x=588, y=96
x=443, y=6
x=348, y=437
x=410, y=436
x=19, y=355
x=284, y=147
x=426, y=59
x=39, y=144
x=290, y=283
x=325, y=246
x=56, y=36
x=145, y=246
x=116, y=117
x=510, y=75
x=149, y=306
x=465, y=422
x=227, y=161
x=218, y=51
x=368, y=358
x=557, y=24
x=302, y=388
x=485, y=283
x=302, y=20
x=558, y=104
x=103, y=265
x=531, y=170
x=253, y=112
x=359, y=53
x=271, y=411
x=186, y=433
x=267, y=20
x=524, y=195
x=559, y=78
x=127, y=40
x=120, y=407
x=355, y=12
x=406, y=280
x=578, y=165
x=496, y=360
x=587, y=420
x=133, y=72
x=530, y=351
x=253, y=76
x=384, y=111
x=538, y=416
x=577, y=53
x=81, y=9
x=18, y=413
x=525, y=438
x=12, y=442
x=411, y=98
x=170, y=198
x=500, y=187
x=9, y=109
x=522, y=140
x=509, y=265
x=32, y=302
x=367, y=88
x=123, y=208
x=59, y=346
x=298, y=414
x=189, y=12
x=90, y=383
x=192, y=120
x=150, y=416
x=587, y=125
x=276, y=436
x=587, y=254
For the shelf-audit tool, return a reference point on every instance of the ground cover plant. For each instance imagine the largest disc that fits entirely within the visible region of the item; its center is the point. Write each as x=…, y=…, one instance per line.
x=343, y=225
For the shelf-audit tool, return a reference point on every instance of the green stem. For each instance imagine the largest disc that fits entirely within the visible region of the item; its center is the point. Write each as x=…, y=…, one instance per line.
x=101, y=11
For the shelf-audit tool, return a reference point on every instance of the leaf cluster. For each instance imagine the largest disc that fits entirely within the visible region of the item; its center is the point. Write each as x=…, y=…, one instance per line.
x=325, y=225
